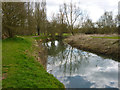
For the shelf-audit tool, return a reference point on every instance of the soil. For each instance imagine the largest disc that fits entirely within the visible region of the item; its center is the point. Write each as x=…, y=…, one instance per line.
x=41, y=53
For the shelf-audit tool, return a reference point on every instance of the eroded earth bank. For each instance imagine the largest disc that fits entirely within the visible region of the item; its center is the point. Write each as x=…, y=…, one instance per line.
x=107, y=45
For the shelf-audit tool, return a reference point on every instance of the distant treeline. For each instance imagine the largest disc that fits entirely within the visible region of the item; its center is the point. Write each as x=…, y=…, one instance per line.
x=29, y=18
x=105, y=25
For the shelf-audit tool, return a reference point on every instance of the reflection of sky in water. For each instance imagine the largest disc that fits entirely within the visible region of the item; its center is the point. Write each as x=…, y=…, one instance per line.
x=79, y=69
x=49, y=43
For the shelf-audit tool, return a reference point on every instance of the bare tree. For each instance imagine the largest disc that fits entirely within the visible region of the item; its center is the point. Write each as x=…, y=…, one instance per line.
x=30, y=19
x=37, y=16
x=14, y=15
x=106, y=20
x=40, y=15
x=72, y=14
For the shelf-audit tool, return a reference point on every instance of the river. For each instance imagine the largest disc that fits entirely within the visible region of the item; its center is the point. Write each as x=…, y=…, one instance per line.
x=80, y=69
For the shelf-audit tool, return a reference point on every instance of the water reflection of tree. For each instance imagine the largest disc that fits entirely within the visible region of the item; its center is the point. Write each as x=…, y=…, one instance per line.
x=73, y=60
x=70, y=59
x=53, y=50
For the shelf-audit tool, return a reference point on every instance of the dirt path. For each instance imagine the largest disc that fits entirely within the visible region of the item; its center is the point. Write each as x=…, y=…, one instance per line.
x=102, y=46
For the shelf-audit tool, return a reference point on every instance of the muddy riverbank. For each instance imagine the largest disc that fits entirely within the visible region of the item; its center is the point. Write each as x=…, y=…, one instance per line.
x=104, y=46
x=40, y=53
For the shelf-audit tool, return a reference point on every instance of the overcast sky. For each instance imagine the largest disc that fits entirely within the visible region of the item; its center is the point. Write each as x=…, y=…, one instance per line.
x=95, y=8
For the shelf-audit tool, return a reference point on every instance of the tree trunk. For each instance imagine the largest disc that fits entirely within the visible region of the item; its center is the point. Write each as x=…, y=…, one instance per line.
x=10, y=33
x=38, y=30
x=72, y=30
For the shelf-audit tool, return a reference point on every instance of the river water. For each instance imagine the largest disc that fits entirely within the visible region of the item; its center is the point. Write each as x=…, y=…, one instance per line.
x=80, y=69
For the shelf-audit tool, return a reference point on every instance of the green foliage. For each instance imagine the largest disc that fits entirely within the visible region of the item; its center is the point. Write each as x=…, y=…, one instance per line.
x=20, y=69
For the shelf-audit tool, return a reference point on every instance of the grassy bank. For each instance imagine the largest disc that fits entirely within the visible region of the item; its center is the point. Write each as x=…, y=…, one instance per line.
x=113, y=37
x=21, y=69
x=106, y=45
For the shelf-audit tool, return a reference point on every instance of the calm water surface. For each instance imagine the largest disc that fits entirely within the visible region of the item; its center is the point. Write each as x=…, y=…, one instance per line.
x=80, y=69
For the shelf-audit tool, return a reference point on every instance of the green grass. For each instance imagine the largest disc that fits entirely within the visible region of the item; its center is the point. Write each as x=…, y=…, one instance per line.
x=41, y=37
x=0, y=63
x=113, y=37
x=20, y=69
x=0, y=50
x=66, y=34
